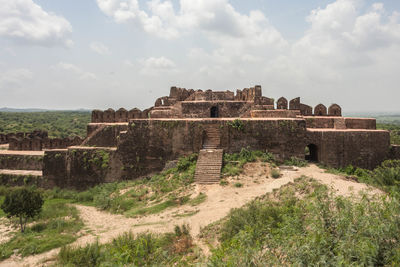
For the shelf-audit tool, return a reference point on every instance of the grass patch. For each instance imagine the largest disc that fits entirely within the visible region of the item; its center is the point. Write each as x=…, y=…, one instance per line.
x=200, y=198
x=136, y=197
x=386, y=176
x=233, y=163
x=223, y=182
x=304, y=224
x=294, y=161
x=134, y=250
x=56, y=225
x=2, y=214
x=275, y=173
x=238, y=185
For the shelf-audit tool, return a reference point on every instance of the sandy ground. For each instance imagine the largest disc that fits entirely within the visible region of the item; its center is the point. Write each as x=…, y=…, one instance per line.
x=6, y=230
x=220, y=200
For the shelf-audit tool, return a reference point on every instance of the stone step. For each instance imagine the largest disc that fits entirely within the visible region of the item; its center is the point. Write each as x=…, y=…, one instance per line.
x=209, y=165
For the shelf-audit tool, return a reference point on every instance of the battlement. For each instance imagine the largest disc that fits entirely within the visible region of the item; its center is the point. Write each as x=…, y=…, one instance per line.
x=245, y=103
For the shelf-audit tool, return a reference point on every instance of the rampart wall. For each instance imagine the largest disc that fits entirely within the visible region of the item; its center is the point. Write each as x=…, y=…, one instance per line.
x=81, y=167
x=37, y=143
x=148, y=144
x=21, y=162
x=361, y=148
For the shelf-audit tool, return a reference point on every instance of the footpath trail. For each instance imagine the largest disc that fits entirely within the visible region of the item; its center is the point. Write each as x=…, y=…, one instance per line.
x=103, y=226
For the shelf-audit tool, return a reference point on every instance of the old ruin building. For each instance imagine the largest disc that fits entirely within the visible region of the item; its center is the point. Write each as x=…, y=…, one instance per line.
x=126, y=144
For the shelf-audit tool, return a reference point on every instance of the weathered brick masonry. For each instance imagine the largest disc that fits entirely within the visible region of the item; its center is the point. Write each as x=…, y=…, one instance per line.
x=126, y=144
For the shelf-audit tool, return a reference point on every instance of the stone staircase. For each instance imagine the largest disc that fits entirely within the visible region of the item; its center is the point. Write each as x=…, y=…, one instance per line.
x=339, y=123
x=212, y=138
x=208, y=167
x=209, y=162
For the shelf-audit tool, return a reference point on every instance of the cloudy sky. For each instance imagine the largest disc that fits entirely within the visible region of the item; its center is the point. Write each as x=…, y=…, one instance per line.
x=68, y=54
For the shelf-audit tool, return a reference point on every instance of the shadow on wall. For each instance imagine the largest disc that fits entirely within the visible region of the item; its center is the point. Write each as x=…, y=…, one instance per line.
x=311, y=153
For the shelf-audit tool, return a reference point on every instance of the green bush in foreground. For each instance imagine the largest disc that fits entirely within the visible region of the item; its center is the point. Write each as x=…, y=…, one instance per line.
x=23, y=203
x=133, y=250
x=316, y=229
x=57, y=225
x=385, y=176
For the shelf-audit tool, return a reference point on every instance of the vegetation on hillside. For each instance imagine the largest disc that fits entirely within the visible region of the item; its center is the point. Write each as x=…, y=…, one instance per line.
x=304, y=224
x=233, y=163
x=394, y=131
x=149, y=195
x=58, y=224
x=23, y=204
x=58, y=123
x=301, y=224
x=135, y=250
x=386, y=176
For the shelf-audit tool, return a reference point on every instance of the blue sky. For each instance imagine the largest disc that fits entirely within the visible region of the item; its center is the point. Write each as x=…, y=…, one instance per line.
x=68, y=54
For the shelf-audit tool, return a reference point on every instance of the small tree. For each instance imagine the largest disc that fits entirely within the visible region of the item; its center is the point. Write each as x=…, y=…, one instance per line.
x=22, y=203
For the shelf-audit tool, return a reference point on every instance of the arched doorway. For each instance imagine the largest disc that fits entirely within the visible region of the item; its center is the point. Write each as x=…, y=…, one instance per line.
x=214, y=112
x=311, y=153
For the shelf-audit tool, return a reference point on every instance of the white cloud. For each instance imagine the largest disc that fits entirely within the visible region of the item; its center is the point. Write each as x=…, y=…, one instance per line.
x=83, y=75
x=217, y=19
x=154, y=66
x=14, y=78
x=128, y=63
x=99, y=48
x=26, y=22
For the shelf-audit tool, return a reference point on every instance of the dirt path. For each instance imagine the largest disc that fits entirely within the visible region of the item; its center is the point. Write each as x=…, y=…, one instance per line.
x=220, y=200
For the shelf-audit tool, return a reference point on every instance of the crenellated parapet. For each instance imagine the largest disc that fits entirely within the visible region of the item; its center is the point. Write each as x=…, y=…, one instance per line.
x=320, y=110
x=5, y=138
x=121, y=115
x=37, y=143
x=335, y=110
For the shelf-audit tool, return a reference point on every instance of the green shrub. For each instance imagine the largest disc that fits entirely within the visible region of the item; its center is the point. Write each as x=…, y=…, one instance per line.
x=186, y=162
x=90, y=255
x=233, y=163
x=316, y=229
x=23, y=203
x=294, y=161
x=238, y=185
x=57, y=225
x=388, y=174
x=236, y=124
x=200, y=198
x=275, y=173
x=130, y=250
x=223, y=182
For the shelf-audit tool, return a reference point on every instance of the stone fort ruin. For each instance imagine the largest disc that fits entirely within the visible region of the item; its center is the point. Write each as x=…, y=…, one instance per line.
x=126, y=144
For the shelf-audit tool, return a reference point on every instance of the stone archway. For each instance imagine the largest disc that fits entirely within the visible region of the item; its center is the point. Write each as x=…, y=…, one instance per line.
x=214, y=112
x=311, y=153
